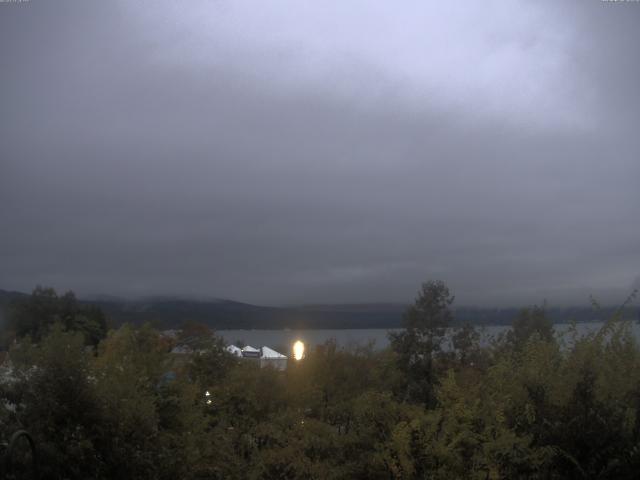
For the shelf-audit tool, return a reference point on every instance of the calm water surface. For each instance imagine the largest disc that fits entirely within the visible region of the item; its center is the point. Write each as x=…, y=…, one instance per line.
x=283, y=339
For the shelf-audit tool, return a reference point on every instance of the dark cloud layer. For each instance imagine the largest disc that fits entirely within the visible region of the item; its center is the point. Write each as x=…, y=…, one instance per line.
x=286, y=154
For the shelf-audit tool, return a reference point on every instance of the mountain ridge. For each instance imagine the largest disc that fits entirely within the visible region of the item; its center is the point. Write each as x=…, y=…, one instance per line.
x=222, y=314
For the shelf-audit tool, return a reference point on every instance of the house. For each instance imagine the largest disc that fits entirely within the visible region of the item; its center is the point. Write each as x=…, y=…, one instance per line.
x=250, y=352
x=267, y=357
x=273, y=359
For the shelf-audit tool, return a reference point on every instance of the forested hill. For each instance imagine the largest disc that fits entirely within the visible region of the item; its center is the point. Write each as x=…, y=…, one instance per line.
x=227, y=314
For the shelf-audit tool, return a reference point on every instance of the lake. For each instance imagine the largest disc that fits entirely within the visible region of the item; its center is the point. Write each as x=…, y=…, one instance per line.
x=283, y=339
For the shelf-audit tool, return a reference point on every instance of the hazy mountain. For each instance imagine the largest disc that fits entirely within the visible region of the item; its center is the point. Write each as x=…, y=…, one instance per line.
x=172, y=311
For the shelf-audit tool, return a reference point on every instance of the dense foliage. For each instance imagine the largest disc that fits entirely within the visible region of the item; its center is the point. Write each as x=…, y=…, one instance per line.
x=35, y=315
x=527, y=405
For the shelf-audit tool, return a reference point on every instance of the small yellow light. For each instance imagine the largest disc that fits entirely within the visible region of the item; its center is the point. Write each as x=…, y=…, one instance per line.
x=298, y=350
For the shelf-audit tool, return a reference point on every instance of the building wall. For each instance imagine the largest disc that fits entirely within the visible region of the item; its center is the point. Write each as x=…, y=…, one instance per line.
x=277, y=363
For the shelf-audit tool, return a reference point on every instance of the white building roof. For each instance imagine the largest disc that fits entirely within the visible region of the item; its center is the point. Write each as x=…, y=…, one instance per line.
x=249, y=348
x=233, y=350
x=269, y=353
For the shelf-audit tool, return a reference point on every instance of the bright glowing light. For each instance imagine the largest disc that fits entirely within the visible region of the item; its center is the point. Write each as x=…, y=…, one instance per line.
x=207, y=394
x=298, y=350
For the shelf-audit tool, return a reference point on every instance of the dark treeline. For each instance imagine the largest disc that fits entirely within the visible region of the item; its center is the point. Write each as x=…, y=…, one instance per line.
x=118, y=404
x=165, y=313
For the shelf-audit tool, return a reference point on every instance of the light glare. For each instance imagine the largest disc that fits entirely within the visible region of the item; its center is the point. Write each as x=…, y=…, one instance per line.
x=298, y=350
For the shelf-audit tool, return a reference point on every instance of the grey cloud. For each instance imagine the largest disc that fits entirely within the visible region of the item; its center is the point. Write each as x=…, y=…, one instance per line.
x=127, y=168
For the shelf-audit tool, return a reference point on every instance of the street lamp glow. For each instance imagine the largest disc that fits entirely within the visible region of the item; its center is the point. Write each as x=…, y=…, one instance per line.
x=298, y=350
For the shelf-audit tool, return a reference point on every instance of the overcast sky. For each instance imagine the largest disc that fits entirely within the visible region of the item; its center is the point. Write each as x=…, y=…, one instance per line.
x=284, y=152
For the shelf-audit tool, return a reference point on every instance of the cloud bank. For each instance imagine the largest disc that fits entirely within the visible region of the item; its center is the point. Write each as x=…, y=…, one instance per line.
x=305, y=152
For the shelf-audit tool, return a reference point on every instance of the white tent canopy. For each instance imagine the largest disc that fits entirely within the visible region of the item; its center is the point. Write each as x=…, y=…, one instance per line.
x=233, y=350
x=270, y=353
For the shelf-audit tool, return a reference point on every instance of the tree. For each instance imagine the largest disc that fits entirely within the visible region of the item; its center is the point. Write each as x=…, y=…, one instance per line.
x=211, y=363
x=416, y=346
x=530, y=322
x=35, y=315
x=129, y=369
x=56, y=402
x=196, y=335
x=466, y=345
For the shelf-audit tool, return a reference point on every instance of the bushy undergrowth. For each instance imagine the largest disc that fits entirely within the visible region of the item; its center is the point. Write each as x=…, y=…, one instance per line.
x=527, y=406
